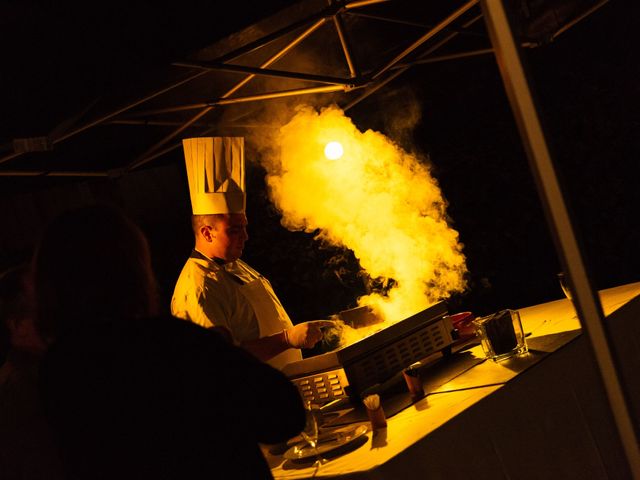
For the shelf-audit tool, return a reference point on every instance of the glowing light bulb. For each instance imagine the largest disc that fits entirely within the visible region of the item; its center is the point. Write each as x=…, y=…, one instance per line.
x=333, y=150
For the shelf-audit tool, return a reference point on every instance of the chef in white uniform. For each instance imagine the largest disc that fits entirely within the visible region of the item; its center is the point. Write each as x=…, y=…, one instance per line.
x=215, y=287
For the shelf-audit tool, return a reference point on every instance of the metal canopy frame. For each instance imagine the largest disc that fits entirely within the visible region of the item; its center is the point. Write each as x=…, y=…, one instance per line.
x=332, y=13
x=354, y=87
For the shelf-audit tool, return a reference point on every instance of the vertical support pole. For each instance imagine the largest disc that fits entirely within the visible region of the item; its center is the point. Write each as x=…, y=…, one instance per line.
x=585, y=299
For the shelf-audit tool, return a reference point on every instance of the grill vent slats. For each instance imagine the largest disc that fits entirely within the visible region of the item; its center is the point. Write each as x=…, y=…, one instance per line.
x=381, y=365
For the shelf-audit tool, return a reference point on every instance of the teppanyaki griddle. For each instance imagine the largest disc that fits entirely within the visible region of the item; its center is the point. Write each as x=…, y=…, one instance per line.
x=348, y=370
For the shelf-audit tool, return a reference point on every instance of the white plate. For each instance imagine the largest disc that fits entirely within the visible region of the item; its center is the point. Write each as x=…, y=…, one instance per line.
x=334, y=439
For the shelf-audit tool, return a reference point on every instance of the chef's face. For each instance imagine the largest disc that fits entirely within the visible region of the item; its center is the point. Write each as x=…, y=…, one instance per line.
x=230, y=233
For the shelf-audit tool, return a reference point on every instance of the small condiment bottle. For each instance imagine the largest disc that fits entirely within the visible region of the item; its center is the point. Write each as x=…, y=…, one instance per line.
x=411, y=376
x=375, y=412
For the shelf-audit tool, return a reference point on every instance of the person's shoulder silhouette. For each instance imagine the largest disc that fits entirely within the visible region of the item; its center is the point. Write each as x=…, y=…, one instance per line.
x=130, y=392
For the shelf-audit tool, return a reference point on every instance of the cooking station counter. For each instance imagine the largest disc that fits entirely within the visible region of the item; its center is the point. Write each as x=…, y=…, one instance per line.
x=505, y=419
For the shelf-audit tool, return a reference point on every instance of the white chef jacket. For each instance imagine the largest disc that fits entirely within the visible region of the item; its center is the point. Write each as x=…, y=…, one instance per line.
x=232, y=295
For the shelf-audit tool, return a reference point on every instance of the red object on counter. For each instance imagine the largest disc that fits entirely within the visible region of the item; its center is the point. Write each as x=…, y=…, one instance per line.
x=463, y=322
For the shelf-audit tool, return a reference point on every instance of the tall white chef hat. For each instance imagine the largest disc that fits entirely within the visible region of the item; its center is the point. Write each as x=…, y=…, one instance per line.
x=215, y=170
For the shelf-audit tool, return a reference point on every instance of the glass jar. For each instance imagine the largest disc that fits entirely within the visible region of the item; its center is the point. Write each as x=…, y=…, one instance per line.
x=501, y=335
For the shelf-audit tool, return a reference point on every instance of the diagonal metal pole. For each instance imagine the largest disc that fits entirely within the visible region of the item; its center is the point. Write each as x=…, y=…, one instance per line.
x=579, y=19
x=442, y=58
x=430, y=34
x=344, y=42
x=253, y=98
x=265, y=72
x=411, y=23
x=363, y=3
x=265, y=40
x=585, y=300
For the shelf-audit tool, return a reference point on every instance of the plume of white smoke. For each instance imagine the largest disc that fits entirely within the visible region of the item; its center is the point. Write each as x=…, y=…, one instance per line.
x=377, y=200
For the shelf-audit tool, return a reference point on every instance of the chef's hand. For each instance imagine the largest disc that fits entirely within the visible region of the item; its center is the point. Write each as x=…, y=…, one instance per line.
x=307, y=334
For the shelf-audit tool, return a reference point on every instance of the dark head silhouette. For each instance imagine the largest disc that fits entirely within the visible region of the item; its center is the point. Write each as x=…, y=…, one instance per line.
x=92, y=263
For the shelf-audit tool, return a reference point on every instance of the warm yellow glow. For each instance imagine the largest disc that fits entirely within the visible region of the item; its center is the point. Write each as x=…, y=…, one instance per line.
x=333, y=150
x=381, y=202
